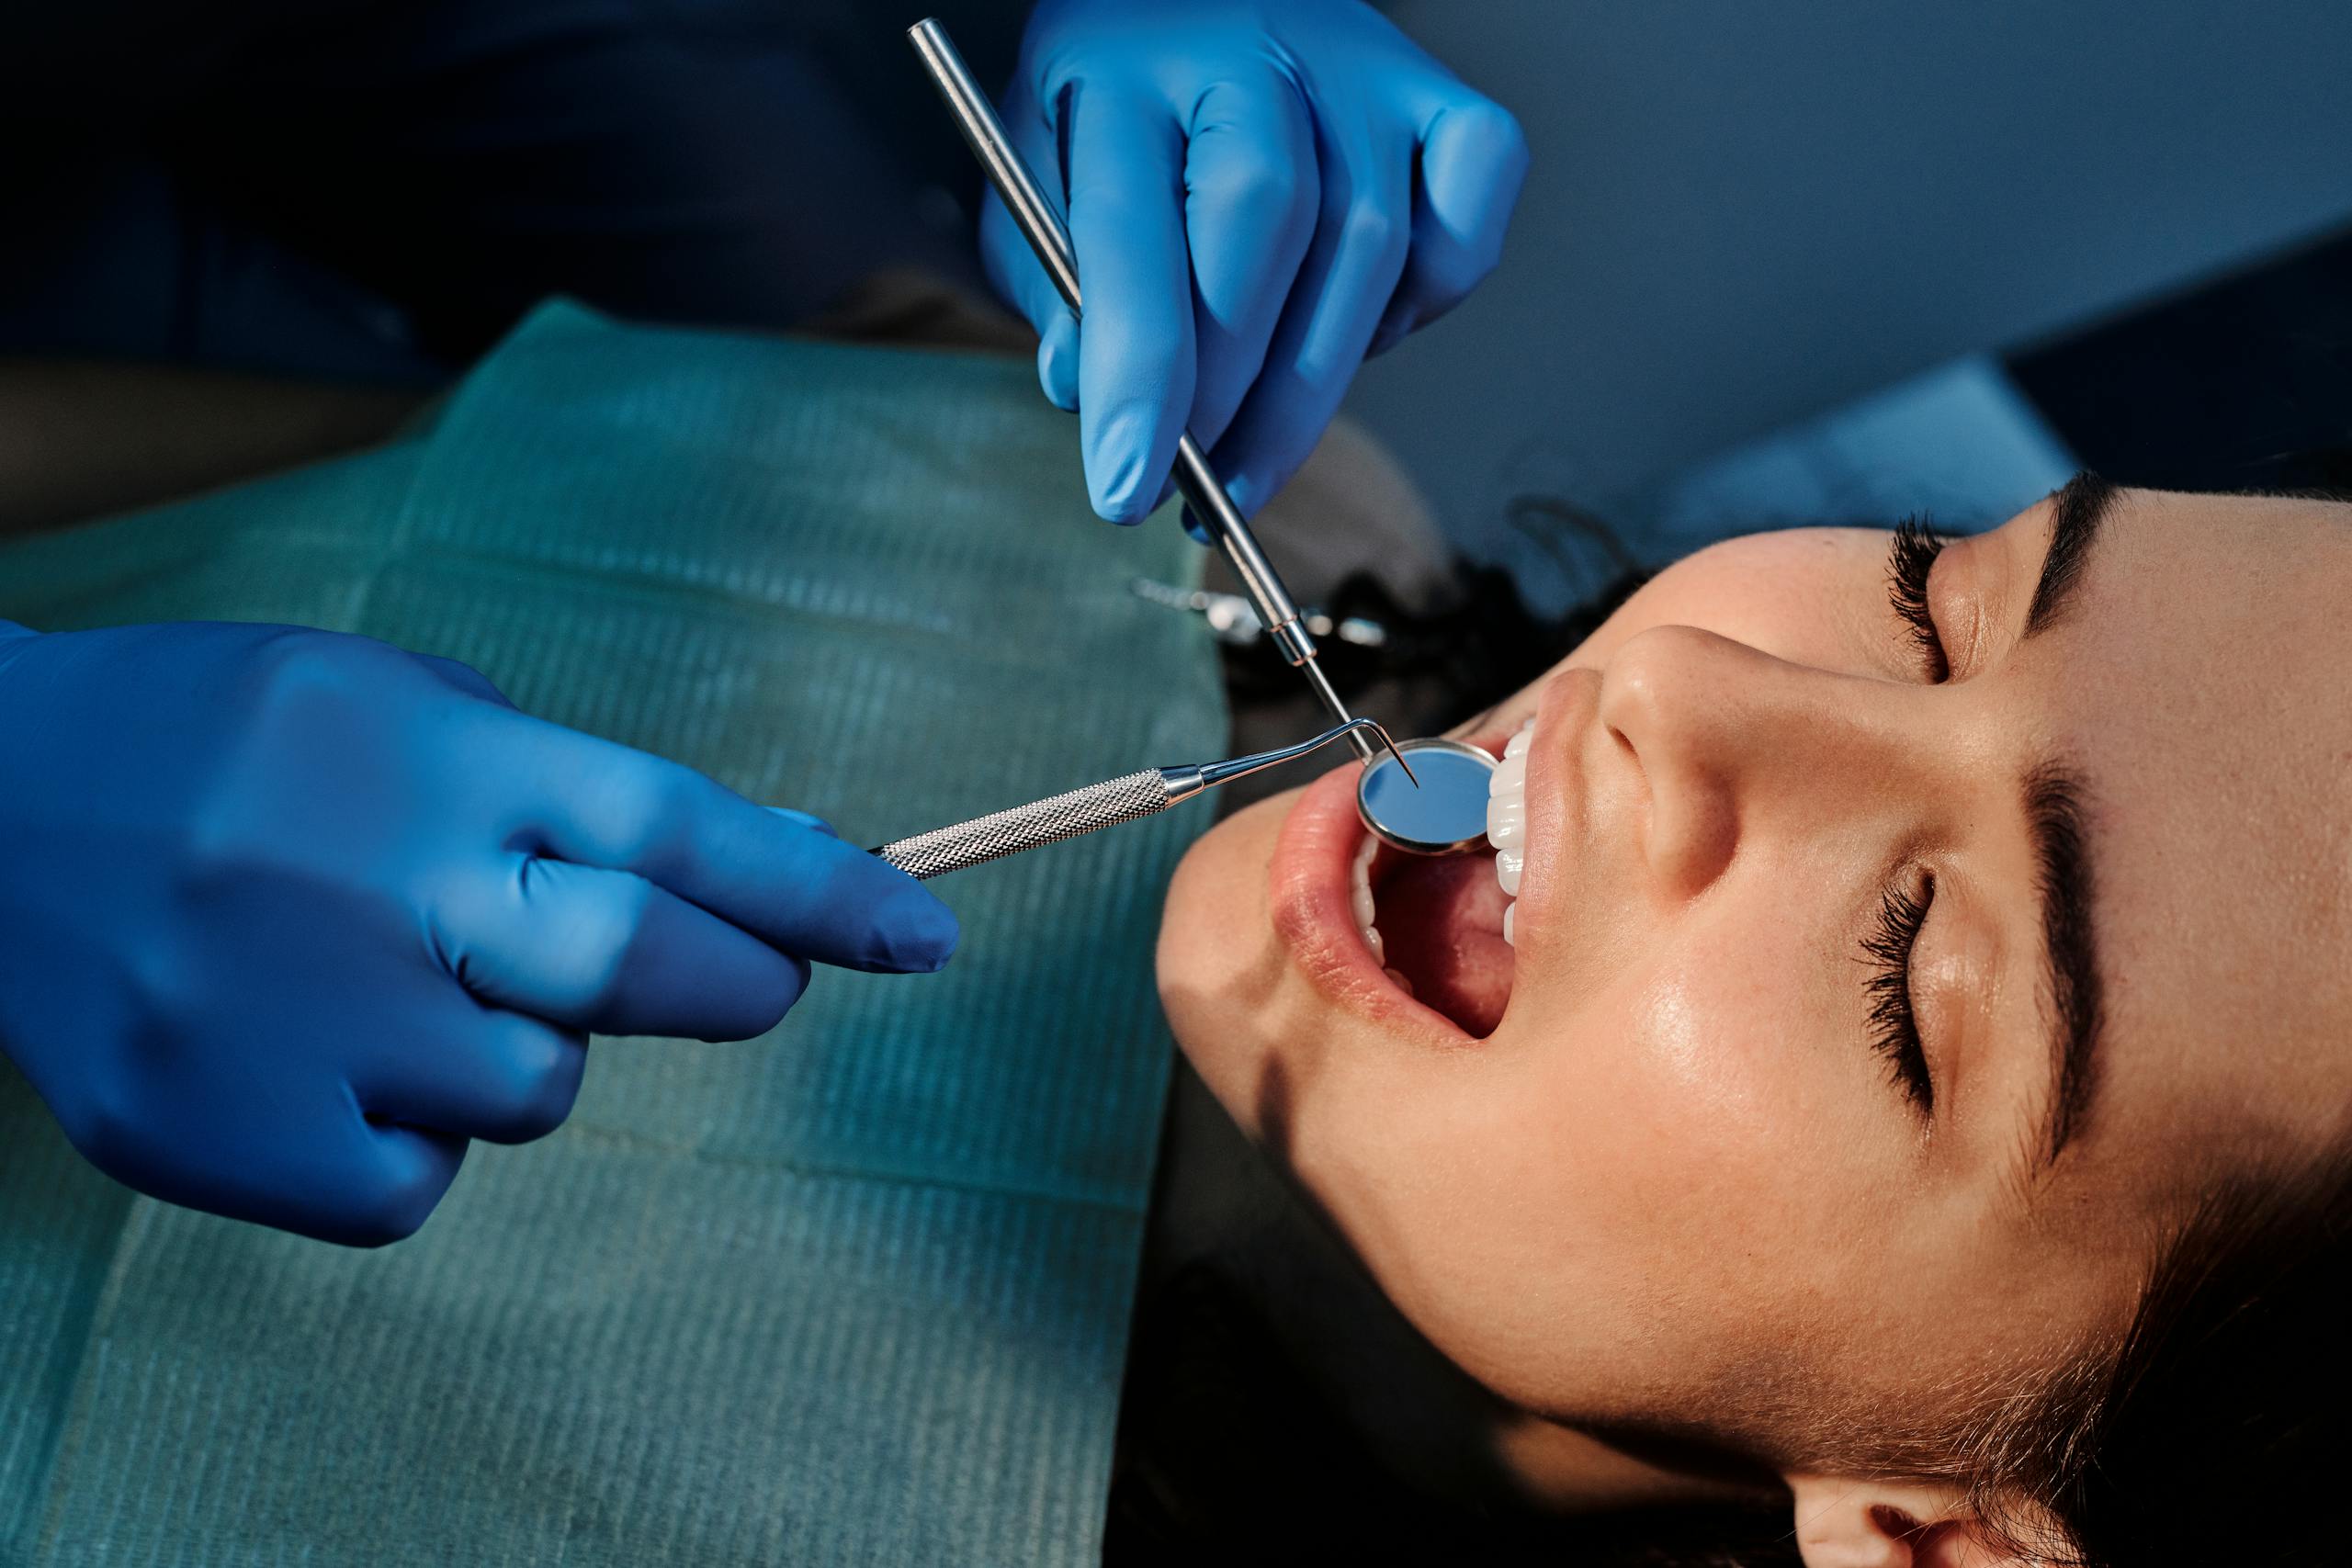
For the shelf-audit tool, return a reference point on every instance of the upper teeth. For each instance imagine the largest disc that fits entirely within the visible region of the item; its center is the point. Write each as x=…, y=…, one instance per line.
x=1506, y=829
x=1507, y=819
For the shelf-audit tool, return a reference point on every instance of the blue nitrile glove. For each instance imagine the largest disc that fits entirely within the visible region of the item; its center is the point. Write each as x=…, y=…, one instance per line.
x=287, y=917
x=1260, y=193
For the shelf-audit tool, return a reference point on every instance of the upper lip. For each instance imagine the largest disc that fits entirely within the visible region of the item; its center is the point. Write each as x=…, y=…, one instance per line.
x=1557, y=804
x=1308, y=887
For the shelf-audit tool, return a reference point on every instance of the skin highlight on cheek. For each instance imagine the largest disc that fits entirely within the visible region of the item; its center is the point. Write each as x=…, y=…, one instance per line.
x=1671, y=1029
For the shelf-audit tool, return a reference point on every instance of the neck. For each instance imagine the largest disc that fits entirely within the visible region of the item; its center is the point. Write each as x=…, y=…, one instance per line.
x=1557, y=1469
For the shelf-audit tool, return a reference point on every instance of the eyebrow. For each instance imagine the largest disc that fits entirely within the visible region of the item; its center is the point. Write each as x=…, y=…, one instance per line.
x=2054, y=816
x=2054, y=820
x=2077, y=510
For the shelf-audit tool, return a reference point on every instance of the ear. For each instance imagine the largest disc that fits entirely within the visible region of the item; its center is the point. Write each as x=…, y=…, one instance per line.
x=1845, y=1523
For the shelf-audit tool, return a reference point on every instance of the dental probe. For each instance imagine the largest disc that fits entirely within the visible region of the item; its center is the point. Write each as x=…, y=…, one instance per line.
x=1104, y=804
x=976, y=117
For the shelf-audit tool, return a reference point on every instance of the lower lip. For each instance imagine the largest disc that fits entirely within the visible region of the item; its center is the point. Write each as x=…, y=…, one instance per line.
x=1308, y=890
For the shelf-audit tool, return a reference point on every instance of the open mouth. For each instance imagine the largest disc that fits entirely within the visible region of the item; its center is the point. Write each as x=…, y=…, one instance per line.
x=1440, y=927
x=1422, y=942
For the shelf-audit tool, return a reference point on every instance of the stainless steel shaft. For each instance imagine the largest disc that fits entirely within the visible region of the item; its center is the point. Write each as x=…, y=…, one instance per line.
x=1067, y=816
x=1195, y=480
x=1098, y=806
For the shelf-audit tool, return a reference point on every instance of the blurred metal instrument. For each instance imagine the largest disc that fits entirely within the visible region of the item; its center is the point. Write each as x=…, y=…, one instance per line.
x=1234, y=619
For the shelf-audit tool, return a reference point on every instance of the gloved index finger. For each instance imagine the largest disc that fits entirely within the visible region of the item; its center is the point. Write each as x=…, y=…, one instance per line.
x=1135, y=367
x=800, y=890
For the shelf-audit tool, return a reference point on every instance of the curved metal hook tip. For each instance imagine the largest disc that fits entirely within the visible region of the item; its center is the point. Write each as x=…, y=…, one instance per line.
x=1241, y=767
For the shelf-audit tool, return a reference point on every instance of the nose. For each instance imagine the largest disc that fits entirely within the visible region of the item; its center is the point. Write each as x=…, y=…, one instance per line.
x=1731, y=742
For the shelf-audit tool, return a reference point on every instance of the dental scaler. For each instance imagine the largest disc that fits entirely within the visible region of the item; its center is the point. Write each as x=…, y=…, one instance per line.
x=1105, y=805
x=1448, y=815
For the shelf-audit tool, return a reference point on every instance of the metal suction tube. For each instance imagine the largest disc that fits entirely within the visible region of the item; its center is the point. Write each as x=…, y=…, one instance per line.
x=1105, y=805
x=1198, y=483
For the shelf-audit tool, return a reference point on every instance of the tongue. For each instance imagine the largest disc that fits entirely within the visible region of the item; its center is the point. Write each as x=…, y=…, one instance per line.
x=1441, y=922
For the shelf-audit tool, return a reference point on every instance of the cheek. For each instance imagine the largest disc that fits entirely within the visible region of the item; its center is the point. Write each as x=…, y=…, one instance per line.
x=1251, y=1023
x=1219, y=971
x=1692, y=1059
x=1688, y=1116
x=1606, y=1207
x=1686, y=1054
x=1814, y=596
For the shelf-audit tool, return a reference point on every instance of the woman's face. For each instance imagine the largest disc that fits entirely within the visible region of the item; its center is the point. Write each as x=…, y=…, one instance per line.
x=1880, y=987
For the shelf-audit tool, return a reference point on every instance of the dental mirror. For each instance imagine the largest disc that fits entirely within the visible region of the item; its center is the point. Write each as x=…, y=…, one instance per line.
x=1447, y=813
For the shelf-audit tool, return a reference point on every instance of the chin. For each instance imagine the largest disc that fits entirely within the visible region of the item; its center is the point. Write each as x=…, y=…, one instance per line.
x=1222, y=976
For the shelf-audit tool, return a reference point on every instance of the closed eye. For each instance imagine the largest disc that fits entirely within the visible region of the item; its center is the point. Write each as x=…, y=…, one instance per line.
x=1894, y=1026
x=1910, y=555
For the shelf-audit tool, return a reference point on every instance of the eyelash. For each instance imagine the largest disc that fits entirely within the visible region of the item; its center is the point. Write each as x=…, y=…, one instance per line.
x=1894, y=1031
x=1910, y=555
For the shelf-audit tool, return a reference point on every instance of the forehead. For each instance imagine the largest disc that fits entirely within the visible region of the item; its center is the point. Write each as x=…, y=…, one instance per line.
x=2202, y=680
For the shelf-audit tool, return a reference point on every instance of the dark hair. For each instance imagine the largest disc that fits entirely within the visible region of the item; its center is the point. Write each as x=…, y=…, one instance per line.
x=2168, y=1443
x=2218, y=1428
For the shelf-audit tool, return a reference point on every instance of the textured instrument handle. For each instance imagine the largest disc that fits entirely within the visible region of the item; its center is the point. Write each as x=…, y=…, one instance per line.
x=1103, y=804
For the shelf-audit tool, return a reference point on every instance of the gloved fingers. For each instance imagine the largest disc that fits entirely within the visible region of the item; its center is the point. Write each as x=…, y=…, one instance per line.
x=1058, y=361
x=1250, y=170
x=800, y=891
x=1013, y=267
x=607, y=950
x=806, y=820
x=467, y=1069
x=1361, y=234
x=1135, y=370
x=395, y=1178
x=463, y=678
x=1021, y=279
x=1473, y=163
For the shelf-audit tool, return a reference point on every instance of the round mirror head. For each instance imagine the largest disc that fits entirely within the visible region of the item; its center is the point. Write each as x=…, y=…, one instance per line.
x=1447, y=813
